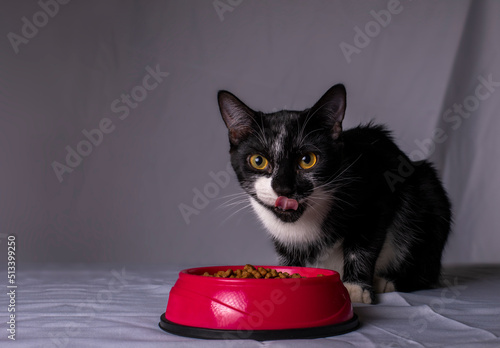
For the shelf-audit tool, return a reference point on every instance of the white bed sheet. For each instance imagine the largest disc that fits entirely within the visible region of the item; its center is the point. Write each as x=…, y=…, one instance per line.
x=120, y=306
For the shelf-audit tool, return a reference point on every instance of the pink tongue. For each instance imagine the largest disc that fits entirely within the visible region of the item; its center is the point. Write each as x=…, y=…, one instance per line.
x=286, y=203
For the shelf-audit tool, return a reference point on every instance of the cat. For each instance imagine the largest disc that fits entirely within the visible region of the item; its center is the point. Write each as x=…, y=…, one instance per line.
x=347, y=200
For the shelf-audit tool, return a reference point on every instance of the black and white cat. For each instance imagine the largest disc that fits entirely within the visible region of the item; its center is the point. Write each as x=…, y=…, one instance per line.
x=350, y=200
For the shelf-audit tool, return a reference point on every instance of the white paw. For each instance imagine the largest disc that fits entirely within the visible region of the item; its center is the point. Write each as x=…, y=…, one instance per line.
x=389, y=287
x=381, y=285
x=357, y=294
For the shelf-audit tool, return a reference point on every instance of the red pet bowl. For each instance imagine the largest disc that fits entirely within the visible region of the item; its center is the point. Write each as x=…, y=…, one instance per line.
x=260, y=309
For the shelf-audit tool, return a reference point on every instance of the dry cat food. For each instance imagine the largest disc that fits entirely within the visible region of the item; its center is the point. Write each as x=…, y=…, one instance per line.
x=250, y=271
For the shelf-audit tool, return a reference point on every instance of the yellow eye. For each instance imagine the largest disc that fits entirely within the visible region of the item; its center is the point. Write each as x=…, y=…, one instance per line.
x=308, y=160
x=258, y=162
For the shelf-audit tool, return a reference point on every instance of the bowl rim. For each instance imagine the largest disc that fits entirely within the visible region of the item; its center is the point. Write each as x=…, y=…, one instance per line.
x=196, y=273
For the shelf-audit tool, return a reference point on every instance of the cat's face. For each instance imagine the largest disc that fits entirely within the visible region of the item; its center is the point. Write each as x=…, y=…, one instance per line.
x=284, y=160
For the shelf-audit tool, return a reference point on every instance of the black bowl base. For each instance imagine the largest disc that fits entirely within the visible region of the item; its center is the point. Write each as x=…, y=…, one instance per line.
x=259, y=335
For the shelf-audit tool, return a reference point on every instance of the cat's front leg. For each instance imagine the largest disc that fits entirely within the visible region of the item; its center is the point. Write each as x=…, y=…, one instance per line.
x=359, y=266
x=288, y=256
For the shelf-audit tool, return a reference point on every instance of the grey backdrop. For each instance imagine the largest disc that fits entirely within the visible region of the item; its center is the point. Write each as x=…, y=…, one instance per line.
x=64, y=69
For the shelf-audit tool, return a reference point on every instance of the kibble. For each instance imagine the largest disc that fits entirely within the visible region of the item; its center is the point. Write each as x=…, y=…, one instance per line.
x=250, y=272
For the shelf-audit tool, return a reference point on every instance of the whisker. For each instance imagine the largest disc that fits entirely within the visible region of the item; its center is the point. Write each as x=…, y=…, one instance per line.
x=231, y=195
x=308, y=204
x=234, y=213
x=229, y=199
x=232, y=204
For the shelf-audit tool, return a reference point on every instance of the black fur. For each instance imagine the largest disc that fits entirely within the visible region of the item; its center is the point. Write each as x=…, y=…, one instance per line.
x=376, y=189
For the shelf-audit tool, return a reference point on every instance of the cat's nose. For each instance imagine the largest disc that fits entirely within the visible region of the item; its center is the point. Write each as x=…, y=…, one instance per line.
x=283, y=188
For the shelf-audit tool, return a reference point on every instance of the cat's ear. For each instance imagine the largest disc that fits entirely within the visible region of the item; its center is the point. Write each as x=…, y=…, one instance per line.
x=332, y=106
x=237, y=116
